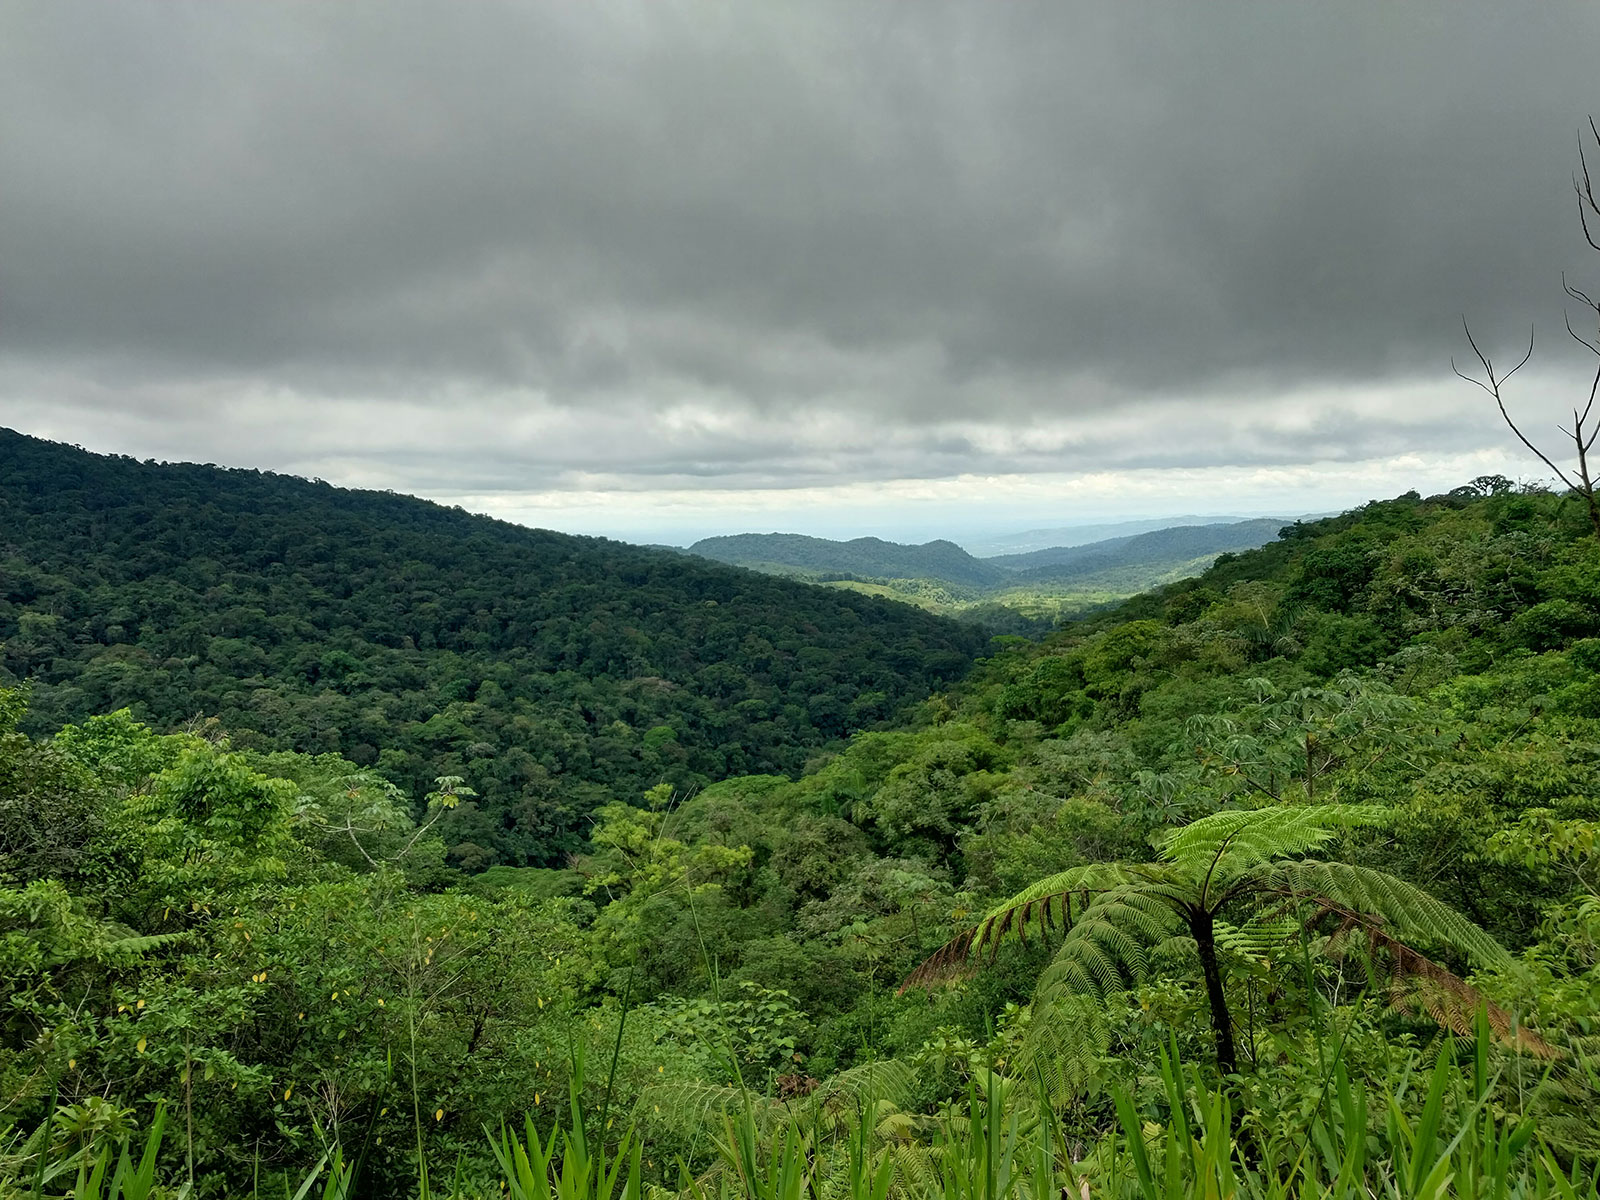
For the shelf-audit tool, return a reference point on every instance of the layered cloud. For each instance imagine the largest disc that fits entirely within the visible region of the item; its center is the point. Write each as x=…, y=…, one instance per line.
x=660, y=249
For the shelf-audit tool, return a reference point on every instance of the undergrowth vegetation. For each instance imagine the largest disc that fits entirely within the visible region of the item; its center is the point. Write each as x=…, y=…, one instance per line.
x=1281, y=881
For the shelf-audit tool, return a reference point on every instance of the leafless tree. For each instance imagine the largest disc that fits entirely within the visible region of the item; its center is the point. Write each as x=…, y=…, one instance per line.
x=1583, y=432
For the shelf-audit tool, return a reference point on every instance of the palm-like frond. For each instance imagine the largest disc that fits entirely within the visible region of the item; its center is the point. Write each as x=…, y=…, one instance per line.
x=136, y=944
x=1048, y=904
x=1107, y=948
x=918, y=1171
x=1344, y=891
x=689, y=1105
x=871, y=1087
x=1216, y=850
x=1065, y=1037
x=867, y=1086
x=1418, y=984
x=1258, y=940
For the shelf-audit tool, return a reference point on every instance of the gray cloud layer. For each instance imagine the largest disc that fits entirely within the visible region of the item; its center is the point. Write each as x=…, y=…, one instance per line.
x=735, y=243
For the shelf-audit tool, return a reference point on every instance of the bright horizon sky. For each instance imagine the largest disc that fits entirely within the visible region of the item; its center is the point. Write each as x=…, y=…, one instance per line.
x=666, y=270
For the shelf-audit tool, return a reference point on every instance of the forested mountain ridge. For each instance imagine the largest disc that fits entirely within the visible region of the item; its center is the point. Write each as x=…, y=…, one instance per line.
x=553, y=671
x=866, y=557
x=1027, y=593
x=1174, y=543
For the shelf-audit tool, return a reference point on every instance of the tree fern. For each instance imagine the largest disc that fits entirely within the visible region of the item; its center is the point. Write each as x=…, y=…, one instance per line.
x=1112, y=915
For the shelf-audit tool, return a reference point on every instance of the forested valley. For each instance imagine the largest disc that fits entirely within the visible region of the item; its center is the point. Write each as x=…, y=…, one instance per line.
x=354, y=844
x=1025, y=593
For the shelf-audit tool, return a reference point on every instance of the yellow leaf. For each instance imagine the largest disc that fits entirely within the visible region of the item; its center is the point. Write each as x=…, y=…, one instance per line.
x=439, y=1116
x=380, y=1001
x=288, y=1091
x=383, y=1112
x=72, y=1064
x=140, y=1046
x=536, y=1099
x=140, y=1004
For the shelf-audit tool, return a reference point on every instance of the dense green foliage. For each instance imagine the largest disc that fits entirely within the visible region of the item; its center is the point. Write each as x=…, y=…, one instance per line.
x=420, y=641
x=1363, y=760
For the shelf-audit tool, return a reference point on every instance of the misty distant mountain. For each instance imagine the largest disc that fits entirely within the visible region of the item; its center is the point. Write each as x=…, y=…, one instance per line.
x=1156, y=548
x=863, y=558
x=1081, y=535
x=1138, y=560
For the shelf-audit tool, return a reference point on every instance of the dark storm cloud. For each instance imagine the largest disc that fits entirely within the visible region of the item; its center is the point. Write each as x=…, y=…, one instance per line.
x=717, y=241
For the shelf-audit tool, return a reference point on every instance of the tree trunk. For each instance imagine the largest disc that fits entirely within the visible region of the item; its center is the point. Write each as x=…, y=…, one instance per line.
x=1200, y=925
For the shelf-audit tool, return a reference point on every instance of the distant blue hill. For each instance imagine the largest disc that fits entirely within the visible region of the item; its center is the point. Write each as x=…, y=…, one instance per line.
x=1137, y=556
x=863, y=558
x=1161, y=546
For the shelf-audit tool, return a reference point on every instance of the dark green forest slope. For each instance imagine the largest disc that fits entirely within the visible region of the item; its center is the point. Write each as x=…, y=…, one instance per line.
x=554, y=671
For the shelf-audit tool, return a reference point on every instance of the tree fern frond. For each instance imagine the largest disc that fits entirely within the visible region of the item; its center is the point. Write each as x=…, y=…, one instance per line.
x=1063, y=1042
x=1216, y=850
x=918, y=1170
x=1404, y=910
x=1422, y=986
x=1418, y=984
x=897, y=1127
x=143, y=943
x=1108, y=947
x=1050, y=903
x=687, y=1105
x=1257, y=939
x=863, y=1087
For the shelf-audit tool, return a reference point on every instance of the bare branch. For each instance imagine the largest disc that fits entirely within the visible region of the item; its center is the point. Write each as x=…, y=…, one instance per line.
x=1582, y=434
x=1585, y=189
x=1493, y=386
x=1578, y=337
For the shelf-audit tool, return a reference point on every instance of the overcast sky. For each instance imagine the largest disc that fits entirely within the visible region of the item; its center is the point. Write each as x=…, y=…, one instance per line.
x=663, y=269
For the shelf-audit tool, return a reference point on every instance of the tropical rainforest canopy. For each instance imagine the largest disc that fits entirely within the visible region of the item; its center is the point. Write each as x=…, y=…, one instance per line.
x=340, y=823
x=555, y=671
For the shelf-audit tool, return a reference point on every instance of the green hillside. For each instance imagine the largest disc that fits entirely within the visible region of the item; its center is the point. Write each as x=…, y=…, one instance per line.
x=1026, y=594
x=1159, y=548
x=1277, y=881
x=865, y=558
x=554, y=671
